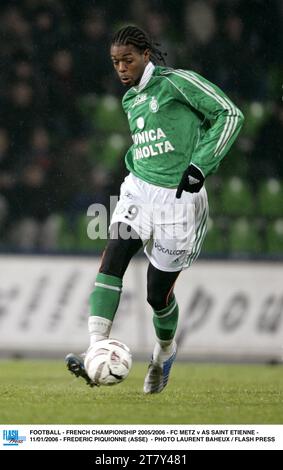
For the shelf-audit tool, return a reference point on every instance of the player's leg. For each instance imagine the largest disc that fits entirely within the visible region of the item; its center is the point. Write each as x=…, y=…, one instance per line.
x=175, y=245
x=105, y=298
x=160, y=285
x=130, y=227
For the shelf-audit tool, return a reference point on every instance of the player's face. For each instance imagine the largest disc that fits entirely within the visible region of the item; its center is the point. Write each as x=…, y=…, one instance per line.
x=129, y=63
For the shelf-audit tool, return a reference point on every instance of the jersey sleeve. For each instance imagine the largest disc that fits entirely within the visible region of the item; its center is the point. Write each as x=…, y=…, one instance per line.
x=226, y=119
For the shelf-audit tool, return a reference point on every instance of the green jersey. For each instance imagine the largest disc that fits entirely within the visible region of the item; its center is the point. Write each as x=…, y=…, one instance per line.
x=176, y=117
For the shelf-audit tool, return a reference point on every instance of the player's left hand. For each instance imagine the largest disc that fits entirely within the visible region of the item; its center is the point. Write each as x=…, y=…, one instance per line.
x=192, y=181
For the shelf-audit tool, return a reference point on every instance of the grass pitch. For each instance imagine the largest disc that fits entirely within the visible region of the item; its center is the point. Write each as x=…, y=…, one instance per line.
x=44, y=392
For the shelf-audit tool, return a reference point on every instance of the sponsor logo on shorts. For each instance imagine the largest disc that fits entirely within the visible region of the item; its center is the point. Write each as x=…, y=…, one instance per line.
x=166, y=251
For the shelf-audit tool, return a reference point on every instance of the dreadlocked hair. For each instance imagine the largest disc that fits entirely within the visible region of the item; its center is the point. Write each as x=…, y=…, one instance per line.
x=141, y=40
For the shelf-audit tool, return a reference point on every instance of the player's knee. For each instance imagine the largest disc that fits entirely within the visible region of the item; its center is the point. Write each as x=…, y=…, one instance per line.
x=112, y=270
x=117, y=255
x=156, y=299
x=112, y=260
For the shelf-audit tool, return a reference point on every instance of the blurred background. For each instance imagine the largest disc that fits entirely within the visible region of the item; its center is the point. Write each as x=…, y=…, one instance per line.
x=63, y=137
x=63, y=134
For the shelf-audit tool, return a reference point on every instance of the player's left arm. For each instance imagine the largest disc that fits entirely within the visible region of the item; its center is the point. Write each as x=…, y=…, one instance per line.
x=226, y=121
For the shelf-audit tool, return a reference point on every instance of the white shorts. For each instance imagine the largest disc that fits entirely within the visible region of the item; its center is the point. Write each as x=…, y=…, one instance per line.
x=172, y=230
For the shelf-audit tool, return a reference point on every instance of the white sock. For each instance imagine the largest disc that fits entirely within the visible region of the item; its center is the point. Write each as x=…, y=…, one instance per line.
x=99, y=328
x=163, y=350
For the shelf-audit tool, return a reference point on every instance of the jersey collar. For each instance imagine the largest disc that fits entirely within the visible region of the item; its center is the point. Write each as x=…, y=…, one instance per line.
x=146, y=76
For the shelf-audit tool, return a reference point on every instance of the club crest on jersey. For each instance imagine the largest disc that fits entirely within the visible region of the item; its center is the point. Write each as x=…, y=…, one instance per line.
x=153, y=105
x=140, y=99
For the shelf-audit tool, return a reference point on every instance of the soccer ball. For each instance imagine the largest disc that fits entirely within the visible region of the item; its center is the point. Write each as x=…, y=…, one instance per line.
x=108, y=362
